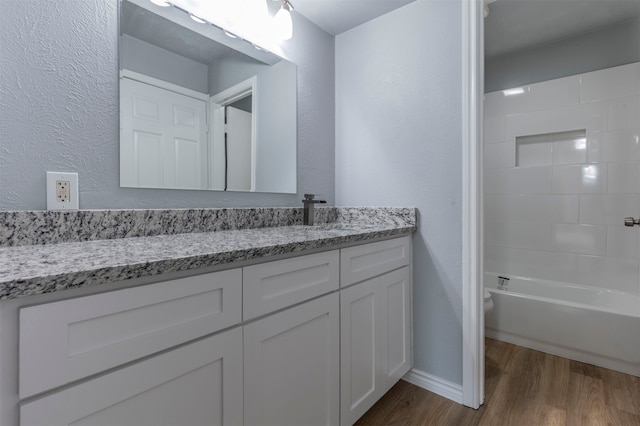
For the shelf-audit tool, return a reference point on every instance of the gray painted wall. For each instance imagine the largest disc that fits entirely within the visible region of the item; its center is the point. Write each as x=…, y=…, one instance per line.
x=276, y=126
x=148, y=59
x=276, y=103
x=398, y=143
x=59, y=110
x=231, y=69
x=603, y=48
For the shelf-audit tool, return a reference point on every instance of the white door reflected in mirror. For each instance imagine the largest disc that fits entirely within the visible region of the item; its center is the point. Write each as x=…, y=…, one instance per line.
x=163, y=140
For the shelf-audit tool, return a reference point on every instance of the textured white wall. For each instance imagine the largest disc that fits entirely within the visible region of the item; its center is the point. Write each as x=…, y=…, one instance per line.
x=59, y=109
x=398, y=143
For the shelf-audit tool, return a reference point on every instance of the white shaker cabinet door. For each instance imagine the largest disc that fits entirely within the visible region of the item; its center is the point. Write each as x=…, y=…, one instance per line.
x=291, y=366
x=395, y=302
x=360, y=348
x=197, y=384
x=375, y=333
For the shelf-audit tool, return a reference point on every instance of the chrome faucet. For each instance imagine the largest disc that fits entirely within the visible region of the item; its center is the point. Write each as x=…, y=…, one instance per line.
x=503, y=283
x=308, y=202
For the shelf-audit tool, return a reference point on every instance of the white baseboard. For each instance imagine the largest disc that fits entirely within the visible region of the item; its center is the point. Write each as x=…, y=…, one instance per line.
x=435, y=384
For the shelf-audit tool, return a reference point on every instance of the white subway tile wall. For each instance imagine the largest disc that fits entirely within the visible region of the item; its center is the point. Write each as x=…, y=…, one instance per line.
x=623, y=178
x=554, y=210
x=534, y=154
x=579, y=179
x=569, y=152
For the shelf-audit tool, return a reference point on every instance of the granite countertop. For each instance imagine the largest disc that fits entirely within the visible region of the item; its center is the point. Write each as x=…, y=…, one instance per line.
x=36, y=269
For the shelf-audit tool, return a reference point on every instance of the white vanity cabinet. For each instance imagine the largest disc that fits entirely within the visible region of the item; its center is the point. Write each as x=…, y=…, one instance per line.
x=292, y=366
x=292, y=358
x=270, y=286
x=307, y=340
x=199, y=383
x=375, y=324
x=61, y=342
x=196, y=384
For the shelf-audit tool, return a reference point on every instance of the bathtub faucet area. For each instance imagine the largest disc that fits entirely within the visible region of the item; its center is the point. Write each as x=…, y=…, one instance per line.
x=503, y=283
x=586, y=324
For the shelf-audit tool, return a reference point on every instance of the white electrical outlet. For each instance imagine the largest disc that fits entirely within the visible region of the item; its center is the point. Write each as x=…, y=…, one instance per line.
x=62, y=191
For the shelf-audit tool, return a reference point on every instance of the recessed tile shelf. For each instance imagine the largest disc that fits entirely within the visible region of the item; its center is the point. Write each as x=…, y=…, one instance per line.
x=546, y=149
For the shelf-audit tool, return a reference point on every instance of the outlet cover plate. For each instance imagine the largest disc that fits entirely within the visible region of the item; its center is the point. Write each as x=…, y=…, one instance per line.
x=52, y=201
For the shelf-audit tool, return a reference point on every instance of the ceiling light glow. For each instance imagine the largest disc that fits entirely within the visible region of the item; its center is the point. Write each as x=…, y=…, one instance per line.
x=515, y=91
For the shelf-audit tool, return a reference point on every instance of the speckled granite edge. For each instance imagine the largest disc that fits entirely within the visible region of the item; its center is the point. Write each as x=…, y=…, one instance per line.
x=38, y=269
x=19, y=228
x=54, y=227
x=399, y=216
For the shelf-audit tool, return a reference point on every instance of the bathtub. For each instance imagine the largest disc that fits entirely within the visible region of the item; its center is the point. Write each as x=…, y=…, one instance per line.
x=588, y=324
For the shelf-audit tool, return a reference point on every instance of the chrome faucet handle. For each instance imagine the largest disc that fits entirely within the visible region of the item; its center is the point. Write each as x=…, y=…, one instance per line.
x=629, y=221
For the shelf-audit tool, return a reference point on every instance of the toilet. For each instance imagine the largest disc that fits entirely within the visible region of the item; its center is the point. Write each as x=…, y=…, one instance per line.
x=488, y=303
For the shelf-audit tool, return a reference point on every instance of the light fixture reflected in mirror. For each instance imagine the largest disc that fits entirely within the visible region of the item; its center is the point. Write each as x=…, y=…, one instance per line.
x=196, y=19
x=248, y=18
x=228, y=34
x=161, y=3
x=283, y=21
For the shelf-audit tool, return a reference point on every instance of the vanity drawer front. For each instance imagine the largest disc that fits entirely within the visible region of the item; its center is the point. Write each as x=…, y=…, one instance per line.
x=366, y=261
x=65, y=341
x=275, y=285
x=196, y=384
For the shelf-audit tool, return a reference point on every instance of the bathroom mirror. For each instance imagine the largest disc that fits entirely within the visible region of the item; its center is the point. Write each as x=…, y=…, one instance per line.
x=200, y=109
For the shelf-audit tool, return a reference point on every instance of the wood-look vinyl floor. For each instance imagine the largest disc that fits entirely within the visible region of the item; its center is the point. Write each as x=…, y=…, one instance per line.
x=522, y=387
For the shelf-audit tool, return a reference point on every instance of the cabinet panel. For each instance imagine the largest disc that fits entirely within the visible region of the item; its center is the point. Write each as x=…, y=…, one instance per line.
x=276, y=285
x=366, y=261
x=375, y=326
x=197, y=384
x=64, y=341
x=292, y=366
x=359, y=350
x=395, y=301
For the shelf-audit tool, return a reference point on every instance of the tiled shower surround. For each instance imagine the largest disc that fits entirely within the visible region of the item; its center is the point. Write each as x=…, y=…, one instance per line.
x=557, y=213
